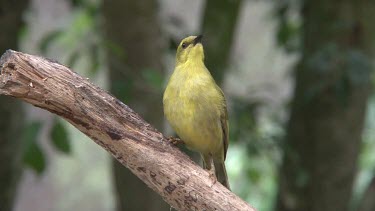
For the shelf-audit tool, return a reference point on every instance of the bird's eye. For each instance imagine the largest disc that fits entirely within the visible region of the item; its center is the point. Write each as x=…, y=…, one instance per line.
x=184, y=45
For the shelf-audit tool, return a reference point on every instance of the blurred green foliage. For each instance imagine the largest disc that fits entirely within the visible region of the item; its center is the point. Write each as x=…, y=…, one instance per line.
x=354, y=68
x=256, y=140
x=33, y=155
x=289, y=26
x=81, y=40
x=59, y=137
x=255, y=151
x=124, y=90
x=367, y=156
x=81, y=37
x=154, y=79
x=48, y=39
x=353, y=65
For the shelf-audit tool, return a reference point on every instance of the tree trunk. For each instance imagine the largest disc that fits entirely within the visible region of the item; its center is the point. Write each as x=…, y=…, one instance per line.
x=118, y=129
x=219, y=26
x=11, y=117
x=133, y=28
x=328, y=110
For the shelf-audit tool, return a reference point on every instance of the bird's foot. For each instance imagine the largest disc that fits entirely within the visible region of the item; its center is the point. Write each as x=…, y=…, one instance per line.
x=174, y=140
x=212, y=177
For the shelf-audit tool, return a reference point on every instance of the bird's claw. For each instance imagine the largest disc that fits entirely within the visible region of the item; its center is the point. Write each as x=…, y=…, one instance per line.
x=212, y=177
x=174, y=140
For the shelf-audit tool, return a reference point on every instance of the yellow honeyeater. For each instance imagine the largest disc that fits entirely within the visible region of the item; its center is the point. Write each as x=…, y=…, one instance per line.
x=195, y=107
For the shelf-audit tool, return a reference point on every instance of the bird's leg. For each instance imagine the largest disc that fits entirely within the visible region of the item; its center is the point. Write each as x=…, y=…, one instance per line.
x=175, y=140
x=208, y=165
x=212, y=176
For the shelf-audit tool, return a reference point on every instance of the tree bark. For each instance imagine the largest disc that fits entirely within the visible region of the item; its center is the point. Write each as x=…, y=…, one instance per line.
x=119, y=130
x=219, y=26
x=329, y=105
x=128, y=72
x=11, y=117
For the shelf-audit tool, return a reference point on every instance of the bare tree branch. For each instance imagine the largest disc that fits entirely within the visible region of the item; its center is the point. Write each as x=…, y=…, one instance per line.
x=119, y=130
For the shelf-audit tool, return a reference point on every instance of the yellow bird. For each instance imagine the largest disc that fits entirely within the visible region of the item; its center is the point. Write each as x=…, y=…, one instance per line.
x=195, y=107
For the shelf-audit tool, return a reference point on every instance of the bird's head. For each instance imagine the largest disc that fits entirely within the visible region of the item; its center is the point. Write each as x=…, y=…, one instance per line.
x=190, y=49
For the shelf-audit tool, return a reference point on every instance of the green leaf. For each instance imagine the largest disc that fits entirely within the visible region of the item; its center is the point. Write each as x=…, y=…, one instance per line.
x=114, y=49
x=77, y=3
x=33, y=156
x=153, y=78
x=94, y=59
x=59, y=138
x=122, y=89
x=23, y=32
x=48, y=39
x=288, y=29
x=287, y=35
x=73, y=58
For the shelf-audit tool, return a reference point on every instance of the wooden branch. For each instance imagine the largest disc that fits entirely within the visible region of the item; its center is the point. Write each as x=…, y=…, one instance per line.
x=119, y=130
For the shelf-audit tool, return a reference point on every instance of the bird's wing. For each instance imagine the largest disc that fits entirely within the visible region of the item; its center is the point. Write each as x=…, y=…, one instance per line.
x=225, y=125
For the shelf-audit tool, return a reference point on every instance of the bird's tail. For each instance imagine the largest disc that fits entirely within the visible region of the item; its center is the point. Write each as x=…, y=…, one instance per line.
x=221, y=173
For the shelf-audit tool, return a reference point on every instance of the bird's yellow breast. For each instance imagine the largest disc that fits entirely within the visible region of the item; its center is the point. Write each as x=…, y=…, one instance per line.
x=193, y=105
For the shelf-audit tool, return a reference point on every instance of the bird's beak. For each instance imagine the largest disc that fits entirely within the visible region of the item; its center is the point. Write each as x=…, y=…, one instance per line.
x=198, y=39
